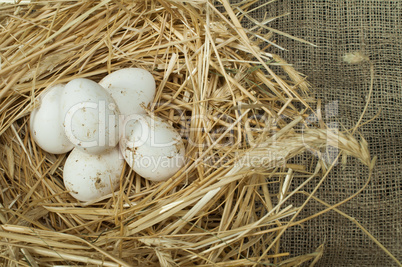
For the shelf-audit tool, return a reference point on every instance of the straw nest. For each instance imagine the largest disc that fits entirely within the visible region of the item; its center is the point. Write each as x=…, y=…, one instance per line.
x=242, y=111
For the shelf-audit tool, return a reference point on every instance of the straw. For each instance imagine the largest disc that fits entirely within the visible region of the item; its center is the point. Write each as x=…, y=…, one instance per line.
x=242, y=111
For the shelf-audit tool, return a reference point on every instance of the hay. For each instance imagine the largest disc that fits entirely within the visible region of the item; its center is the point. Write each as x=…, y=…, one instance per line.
x=242, y=111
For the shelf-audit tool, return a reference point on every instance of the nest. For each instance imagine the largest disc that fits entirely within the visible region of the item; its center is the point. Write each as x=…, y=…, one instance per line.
x=242, y=111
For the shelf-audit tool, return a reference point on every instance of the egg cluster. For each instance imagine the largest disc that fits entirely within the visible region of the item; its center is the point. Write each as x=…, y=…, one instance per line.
x=105, y=124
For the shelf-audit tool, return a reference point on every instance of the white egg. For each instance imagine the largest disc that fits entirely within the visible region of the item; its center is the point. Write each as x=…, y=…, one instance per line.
x=88, y=177
x=152, y=147
x=45, y=124
x=131, y=88
x=90, y=116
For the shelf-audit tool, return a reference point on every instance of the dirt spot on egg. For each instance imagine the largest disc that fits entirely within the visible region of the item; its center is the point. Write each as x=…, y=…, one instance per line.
x=98, y=182
x=133, y=149
x=178, y=147
x=70, y=186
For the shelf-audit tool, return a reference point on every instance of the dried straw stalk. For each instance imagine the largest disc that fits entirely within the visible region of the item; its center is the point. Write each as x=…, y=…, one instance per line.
x=240, y=108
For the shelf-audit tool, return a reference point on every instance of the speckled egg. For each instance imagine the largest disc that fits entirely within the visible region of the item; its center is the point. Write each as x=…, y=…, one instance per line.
x=90, y=116
x=88, y=177
x=152, y=147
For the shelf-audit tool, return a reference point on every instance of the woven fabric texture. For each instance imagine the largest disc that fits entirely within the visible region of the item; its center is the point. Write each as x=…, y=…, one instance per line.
x=339, y=27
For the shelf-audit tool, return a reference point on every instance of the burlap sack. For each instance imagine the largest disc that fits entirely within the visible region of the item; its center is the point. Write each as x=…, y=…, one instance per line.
x=340, y=27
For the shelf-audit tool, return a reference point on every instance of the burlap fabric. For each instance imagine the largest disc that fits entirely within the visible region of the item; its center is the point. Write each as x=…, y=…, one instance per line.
x=339, y=27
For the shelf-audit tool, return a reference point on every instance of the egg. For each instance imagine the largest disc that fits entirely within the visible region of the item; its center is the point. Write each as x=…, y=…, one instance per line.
x=90, y=116
x=46, y=125
x=152, y=147
x=131, y=88
x=88, y=177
